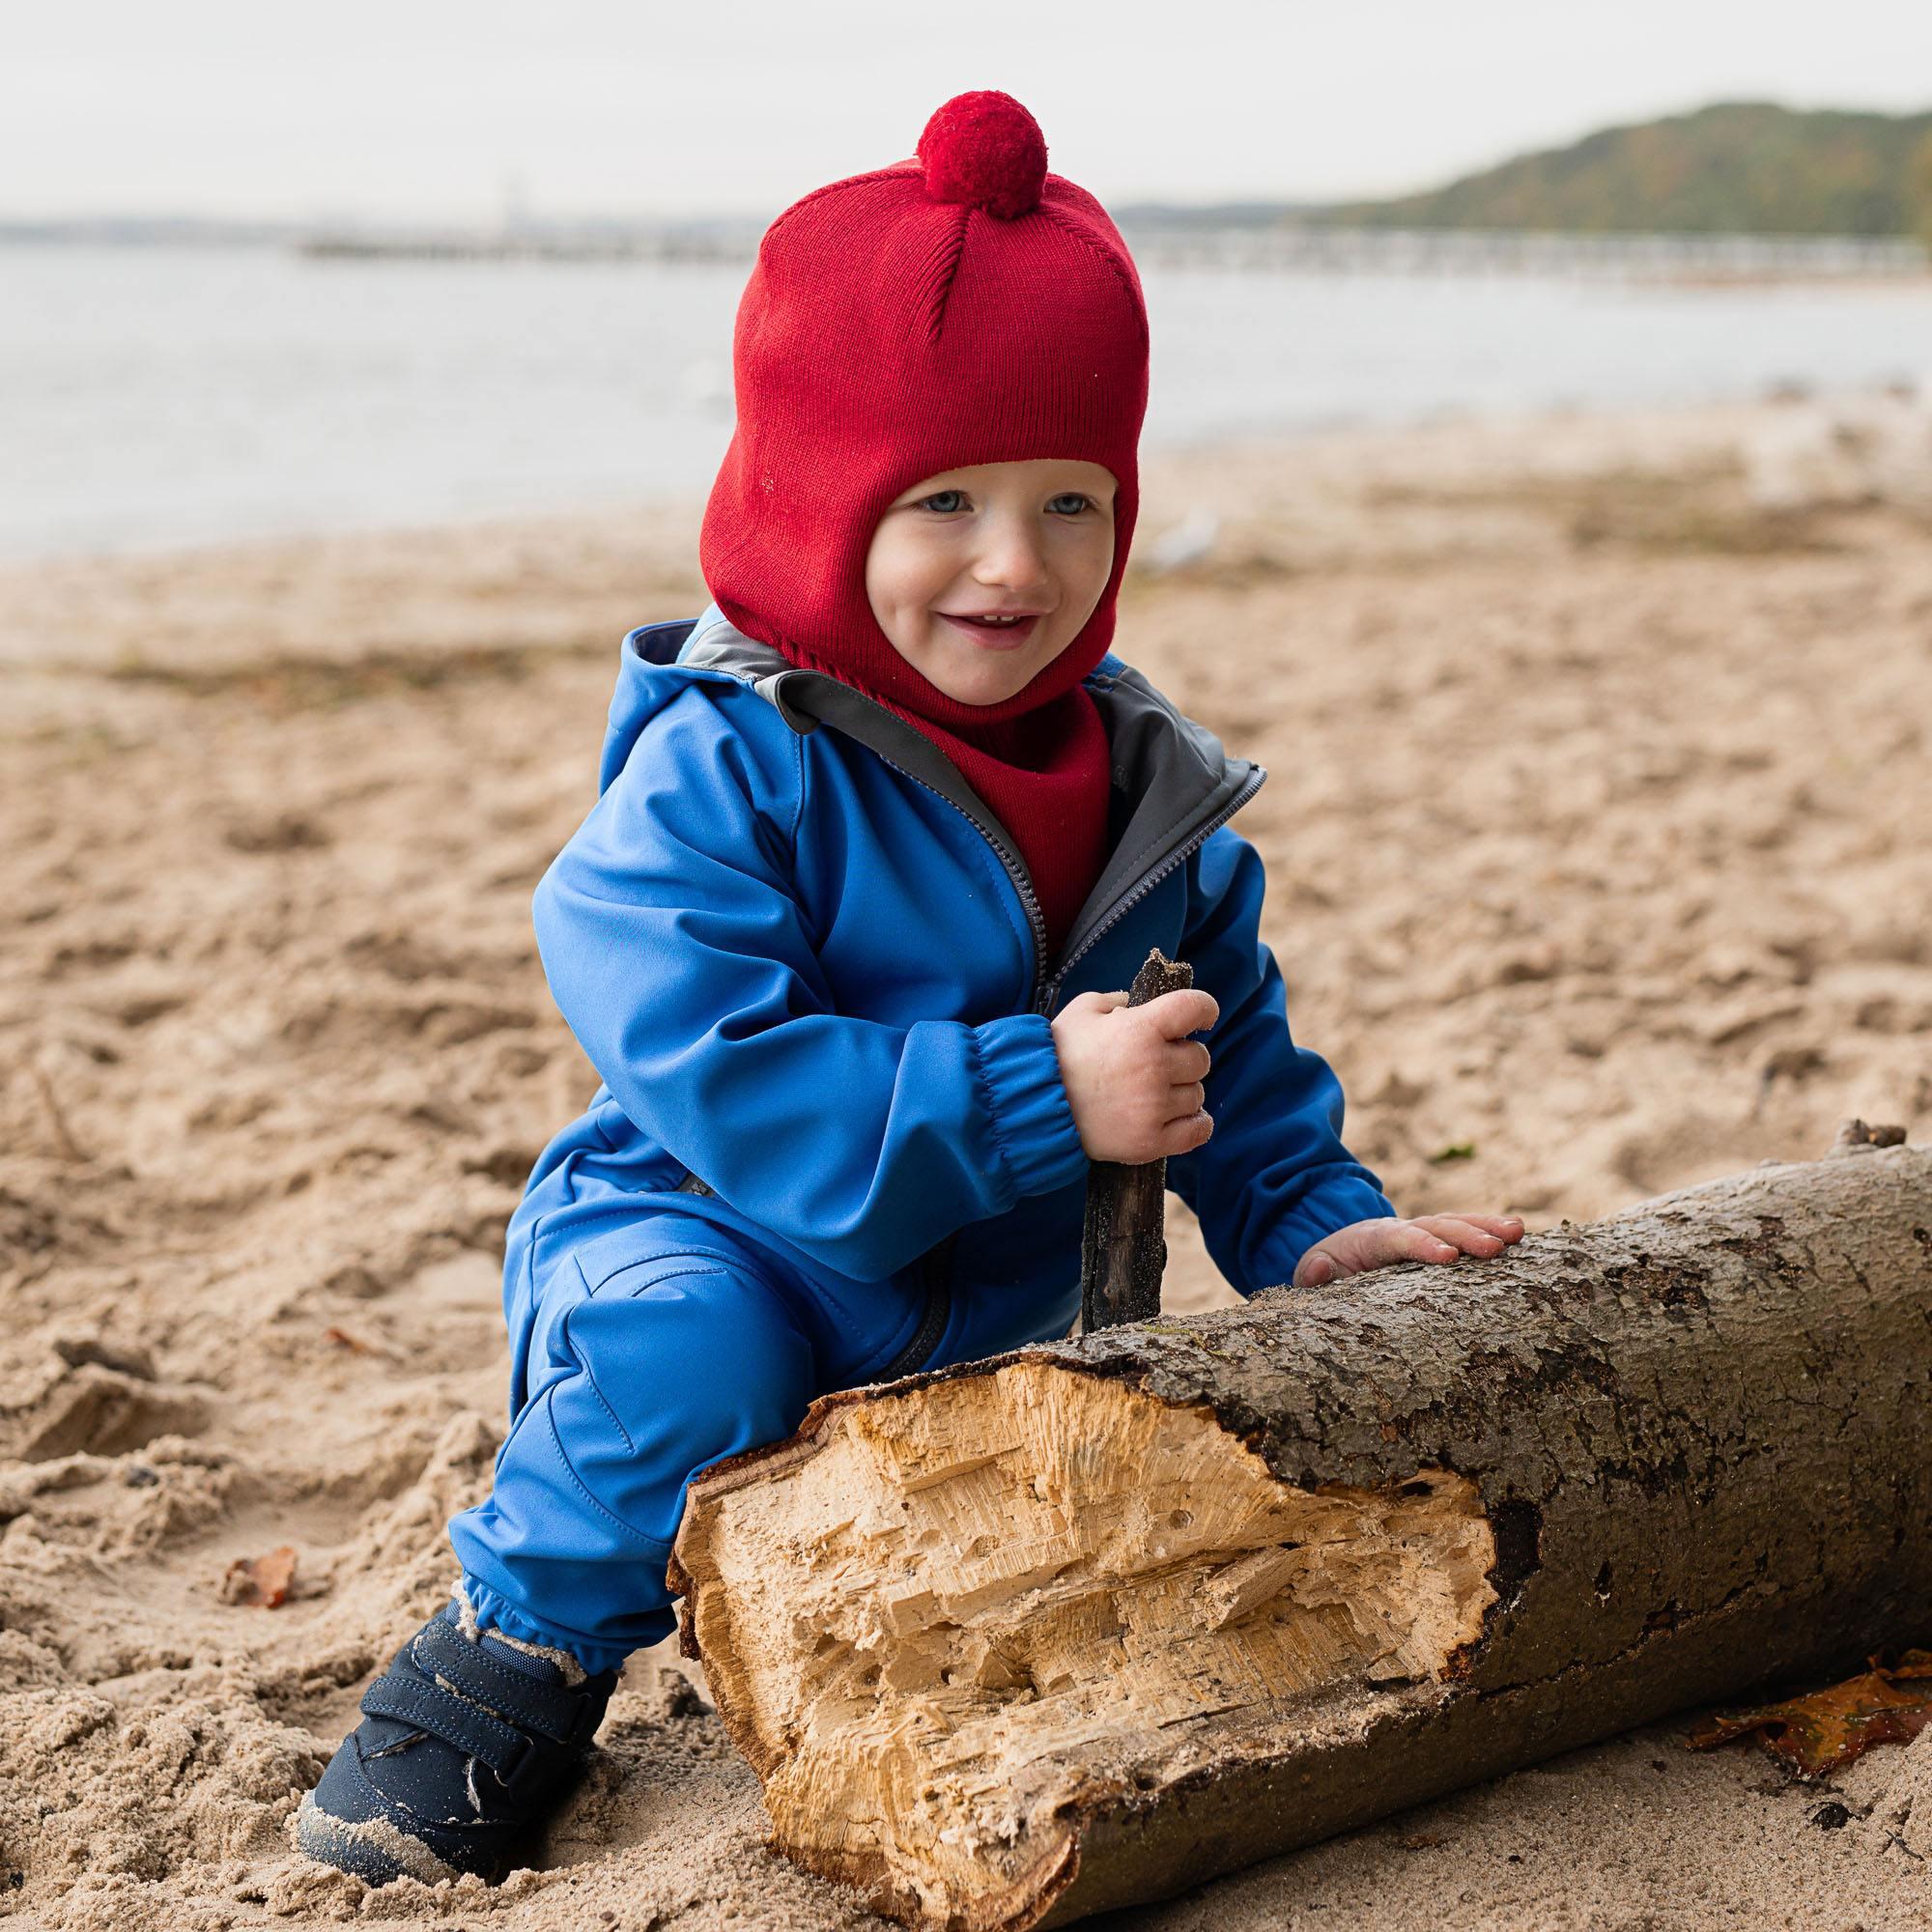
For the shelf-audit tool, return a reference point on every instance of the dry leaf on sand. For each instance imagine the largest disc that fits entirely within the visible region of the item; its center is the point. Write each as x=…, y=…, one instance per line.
x=1814, y=1735
x=263, y=1580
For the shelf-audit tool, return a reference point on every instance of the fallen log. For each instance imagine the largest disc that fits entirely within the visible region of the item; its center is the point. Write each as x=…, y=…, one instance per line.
x=1087, y=1623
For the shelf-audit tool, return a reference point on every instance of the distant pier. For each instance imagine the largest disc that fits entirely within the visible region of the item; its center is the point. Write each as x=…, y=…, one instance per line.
x=1301, y=248
x=483, y=246
x=1312, y=249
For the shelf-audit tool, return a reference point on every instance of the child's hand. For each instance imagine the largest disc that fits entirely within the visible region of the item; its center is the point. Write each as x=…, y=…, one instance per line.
x=1429, y=1238
x=1132, y=1076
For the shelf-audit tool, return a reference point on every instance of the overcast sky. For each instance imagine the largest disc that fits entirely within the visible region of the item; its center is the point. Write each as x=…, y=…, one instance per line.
x=432, y=109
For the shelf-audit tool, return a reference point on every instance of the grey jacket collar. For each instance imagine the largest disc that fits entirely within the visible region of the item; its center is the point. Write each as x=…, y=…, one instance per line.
x=1181, y=784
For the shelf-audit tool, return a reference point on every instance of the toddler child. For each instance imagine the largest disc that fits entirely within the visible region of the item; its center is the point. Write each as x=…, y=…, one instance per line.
x=879, y=838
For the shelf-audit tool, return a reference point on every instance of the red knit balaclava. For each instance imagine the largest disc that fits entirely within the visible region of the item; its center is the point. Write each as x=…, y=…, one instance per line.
x=963, y=307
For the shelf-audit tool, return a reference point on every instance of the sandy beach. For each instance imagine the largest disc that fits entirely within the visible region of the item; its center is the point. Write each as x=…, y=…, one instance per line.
x=1599, y=864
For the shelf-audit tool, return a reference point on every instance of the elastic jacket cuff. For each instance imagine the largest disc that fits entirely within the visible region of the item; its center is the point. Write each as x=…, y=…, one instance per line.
x=1339, y=1205
x=1026, y=1104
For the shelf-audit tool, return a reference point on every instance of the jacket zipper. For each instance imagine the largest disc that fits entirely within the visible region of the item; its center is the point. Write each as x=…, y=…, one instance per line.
x=1147, y=882
x=936, y=1272
x=937, y=1269
x=1042, y=986
x=1015, y=871
x=1046, y=989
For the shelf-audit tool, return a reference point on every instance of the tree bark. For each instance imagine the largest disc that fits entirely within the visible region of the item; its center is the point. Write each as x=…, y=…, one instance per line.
x=1085, y=1624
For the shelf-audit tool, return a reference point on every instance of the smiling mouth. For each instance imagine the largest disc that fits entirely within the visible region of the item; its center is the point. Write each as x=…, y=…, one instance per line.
x=994, y=633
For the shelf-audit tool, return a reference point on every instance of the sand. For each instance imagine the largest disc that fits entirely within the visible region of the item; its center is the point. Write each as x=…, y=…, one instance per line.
x=1599, y=864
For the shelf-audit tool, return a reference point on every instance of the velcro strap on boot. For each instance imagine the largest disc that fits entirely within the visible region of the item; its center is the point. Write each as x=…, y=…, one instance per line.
x=555, y=1711
x=429, y=1707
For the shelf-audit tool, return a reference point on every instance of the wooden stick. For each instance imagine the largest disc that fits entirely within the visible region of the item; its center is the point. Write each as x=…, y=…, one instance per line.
x=1124, y=1246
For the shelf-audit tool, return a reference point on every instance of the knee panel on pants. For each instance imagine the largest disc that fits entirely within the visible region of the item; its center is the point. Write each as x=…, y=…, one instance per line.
x=667, y=1364
x=636, y=1371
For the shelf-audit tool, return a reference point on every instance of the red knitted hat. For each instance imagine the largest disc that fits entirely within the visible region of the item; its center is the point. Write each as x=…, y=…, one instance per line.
x=963, y=307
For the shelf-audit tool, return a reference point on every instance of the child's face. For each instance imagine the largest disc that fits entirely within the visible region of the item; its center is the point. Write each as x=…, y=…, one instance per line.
x=1034, y=537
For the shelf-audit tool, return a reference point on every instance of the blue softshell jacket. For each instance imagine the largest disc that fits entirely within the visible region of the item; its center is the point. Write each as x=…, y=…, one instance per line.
x=831, y=1144
x=805, y=962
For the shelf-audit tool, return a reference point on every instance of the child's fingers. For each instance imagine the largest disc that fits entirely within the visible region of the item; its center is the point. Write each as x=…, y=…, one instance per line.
x=1508, y=1225
x=1428, y=1238
x=1184, y=1100
x=1373, y=1244
x=1178, y=1014
x=1370, y=1245
x=1187, y=1060
x=1461, y=1236
x=1422, y=1240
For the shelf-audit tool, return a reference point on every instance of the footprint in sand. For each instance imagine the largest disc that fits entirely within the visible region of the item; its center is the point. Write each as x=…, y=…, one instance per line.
x=98, y=1410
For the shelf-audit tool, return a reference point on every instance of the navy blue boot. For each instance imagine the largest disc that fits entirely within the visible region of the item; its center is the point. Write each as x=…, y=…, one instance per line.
x=466, y=1750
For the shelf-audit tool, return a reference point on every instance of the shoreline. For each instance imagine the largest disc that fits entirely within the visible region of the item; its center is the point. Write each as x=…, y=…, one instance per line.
x=51, y=601
x=1673, y=421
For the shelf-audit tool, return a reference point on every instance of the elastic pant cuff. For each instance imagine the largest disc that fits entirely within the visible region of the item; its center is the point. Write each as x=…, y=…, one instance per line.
x=495, y=1612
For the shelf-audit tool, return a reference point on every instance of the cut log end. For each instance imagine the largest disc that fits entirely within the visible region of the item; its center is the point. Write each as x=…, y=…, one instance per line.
x=964, y=1626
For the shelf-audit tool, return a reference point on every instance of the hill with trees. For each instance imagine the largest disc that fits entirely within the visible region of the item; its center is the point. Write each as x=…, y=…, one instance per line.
x=1736, y=167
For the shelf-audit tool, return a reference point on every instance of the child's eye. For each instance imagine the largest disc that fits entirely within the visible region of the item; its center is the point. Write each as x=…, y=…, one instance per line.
x=943, y=502
x=1074, y=498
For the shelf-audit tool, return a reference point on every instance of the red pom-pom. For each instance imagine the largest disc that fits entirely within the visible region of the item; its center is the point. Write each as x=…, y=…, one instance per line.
x=984, y=149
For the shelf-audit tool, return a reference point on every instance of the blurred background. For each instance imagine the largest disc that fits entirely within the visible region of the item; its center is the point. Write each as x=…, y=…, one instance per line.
x=441, y=261
x=1537, y=481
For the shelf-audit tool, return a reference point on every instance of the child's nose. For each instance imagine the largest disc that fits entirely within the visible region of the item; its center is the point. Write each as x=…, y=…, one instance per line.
x=1014, y=558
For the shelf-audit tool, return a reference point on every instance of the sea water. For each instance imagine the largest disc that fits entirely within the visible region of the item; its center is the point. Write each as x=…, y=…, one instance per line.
x=157, y=396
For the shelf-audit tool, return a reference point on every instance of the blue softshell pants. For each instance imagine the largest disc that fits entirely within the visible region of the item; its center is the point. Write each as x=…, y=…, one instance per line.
x=650, y=1350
